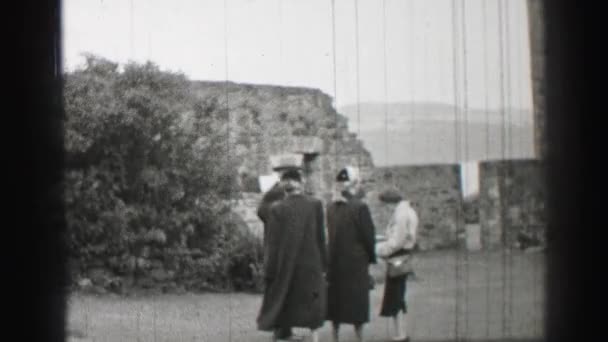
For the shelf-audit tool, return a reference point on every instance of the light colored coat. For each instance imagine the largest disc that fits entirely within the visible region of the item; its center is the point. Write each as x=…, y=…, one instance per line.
x=401, y=231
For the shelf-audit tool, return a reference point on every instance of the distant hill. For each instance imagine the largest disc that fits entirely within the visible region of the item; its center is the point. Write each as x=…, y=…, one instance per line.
x=422, y=133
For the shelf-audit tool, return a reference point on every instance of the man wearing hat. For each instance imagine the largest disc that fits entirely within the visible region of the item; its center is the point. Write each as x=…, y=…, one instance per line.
x=273, y=194
x=351, y=250
x=295, y=293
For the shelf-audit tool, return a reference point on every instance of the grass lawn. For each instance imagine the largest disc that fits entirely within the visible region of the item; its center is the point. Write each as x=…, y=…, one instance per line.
x=458, y=295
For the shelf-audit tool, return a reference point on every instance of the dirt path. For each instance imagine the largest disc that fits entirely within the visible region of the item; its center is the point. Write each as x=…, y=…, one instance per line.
x=497, y=296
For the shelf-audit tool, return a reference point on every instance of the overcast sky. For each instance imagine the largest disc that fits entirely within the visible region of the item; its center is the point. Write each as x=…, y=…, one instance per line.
x=289, y=42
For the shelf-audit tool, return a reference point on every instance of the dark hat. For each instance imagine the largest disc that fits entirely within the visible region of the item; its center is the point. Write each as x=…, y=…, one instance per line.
x=293, y=174
x=347, y=174
x=390, y=196
x=342, y=176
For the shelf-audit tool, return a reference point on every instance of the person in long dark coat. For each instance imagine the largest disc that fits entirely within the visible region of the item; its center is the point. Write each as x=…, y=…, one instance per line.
x=270, y=199
x=296, y=287
x=351, y=250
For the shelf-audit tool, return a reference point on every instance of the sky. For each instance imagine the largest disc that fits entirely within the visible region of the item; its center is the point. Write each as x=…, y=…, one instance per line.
x=385, y=50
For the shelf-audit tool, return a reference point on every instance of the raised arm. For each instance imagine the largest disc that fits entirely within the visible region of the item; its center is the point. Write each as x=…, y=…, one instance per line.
x=273, y=195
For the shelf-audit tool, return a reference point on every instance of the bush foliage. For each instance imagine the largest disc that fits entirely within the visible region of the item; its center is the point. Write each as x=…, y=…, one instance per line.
x=148, y=181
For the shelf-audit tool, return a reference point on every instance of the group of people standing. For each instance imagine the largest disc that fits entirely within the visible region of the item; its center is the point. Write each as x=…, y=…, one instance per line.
x=315, y=274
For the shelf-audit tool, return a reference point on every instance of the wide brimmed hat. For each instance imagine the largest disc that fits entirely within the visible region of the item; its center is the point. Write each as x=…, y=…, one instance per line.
x=286, y=161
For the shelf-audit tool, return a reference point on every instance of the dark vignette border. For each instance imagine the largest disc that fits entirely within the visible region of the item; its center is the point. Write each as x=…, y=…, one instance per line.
x=566, y=168
x=34, y=224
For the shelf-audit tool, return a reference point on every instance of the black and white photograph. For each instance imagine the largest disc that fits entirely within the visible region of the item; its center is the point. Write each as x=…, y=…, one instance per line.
x=305, y=170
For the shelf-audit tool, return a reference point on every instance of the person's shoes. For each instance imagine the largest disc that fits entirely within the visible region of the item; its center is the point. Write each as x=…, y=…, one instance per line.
x=283, y=335
x=401, y=339
x=289, y=339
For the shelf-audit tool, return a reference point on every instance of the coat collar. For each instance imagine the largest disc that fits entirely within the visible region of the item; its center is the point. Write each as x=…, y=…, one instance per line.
x=343, y=197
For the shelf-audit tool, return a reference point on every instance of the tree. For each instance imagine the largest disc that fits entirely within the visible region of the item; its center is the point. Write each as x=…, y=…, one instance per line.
x=146, y=162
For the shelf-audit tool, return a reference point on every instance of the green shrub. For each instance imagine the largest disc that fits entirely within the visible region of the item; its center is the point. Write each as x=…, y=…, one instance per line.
x=146, y=167
x=246, y=263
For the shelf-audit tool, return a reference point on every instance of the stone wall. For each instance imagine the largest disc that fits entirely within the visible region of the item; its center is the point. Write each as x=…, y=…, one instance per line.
x=435, y=193
x=264, y=119
x=511, y=194
x=512, y=200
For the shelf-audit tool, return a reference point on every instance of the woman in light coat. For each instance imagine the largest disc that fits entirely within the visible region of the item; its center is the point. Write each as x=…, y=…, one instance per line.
x=400, y=240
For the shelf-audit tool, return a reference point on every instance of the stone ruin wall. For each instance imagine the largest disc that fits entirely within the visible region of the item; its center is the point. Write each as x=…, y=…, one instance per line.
x=512, y=200
x=434, y=192
x=434, y=189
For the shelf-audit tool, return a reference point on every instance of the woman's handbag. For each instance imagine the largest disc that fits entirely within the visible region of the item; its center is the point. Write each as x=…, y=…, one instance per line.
x=398, y=266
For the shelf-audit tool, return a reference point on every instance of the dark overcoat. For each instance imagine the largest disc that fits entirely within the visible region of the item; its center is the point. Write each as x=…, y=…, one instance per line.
x=351, y=249
x=296, y=290
x=270, y=199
